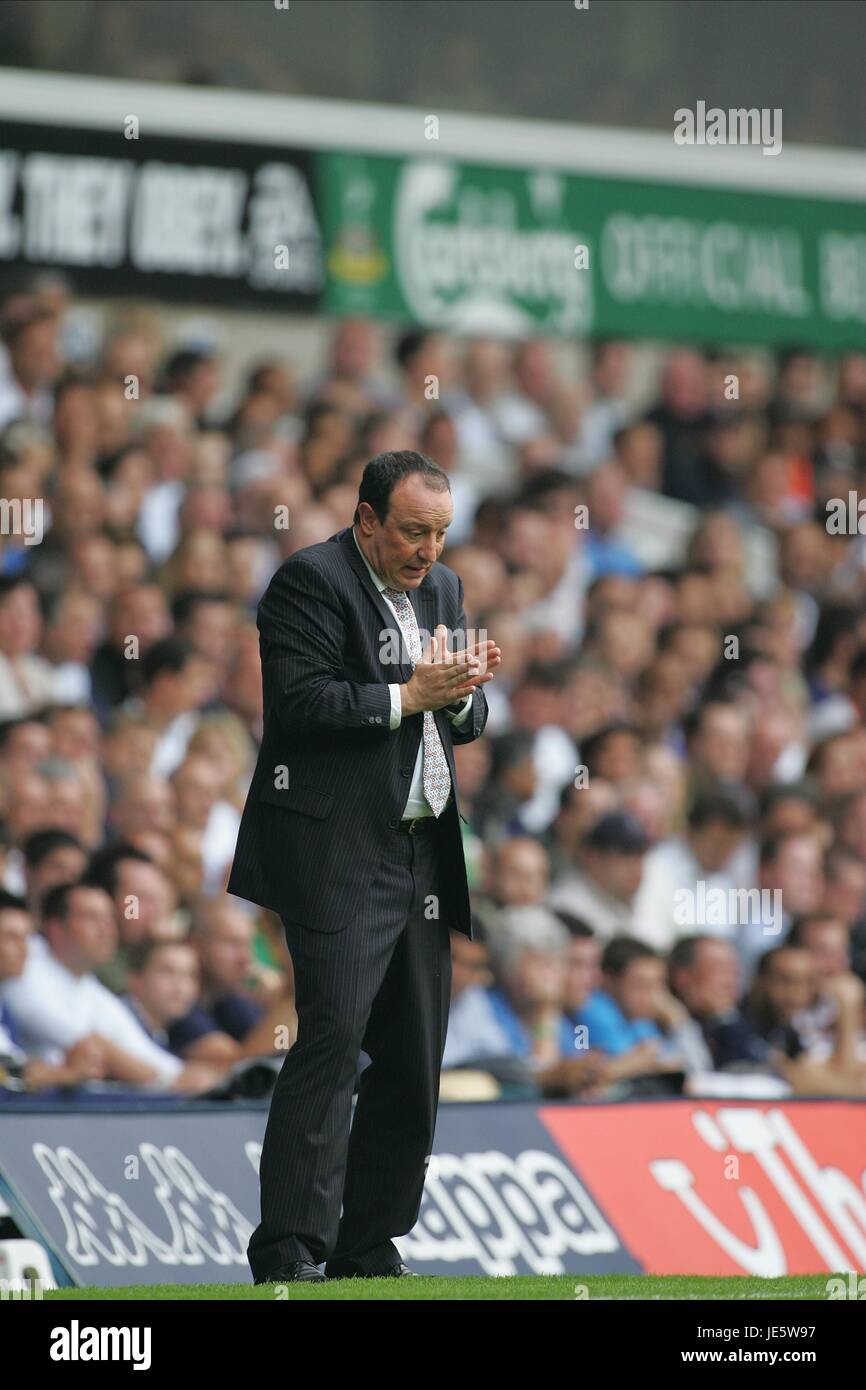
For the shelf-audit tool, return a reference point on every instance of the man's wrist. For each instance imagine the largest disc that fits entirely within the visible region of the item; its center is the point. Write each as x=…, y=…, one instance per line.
x=406, y=705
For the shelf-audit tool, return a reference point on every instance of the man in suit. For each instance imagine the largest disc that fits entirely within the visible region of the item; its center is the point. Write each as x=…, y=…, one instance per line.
x=351, y=834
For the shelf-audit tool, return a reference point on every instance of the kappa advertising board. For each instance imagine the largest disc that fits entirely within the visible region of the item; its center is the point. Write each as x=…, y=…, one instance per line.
x=171, y=1195
x=161, y=217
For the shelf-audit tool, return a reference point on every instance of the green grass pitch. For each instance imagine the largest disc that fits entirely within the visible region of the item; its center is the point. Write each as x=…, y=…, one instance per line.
x=558, y=1287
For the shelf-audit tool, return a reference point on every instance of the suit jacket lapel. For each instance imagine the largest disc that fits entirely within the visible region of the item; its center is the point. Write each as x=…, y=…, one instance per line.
x=422, y=599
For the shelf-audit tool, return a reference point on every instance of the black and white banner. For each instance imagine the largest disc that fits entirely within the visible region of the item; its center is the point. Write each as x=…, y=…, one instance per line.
x=131, y=213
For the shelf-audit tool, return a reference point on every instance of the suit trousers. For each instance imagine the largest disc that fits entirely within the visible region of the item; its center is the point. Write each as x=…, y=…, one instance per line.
x=381, y=985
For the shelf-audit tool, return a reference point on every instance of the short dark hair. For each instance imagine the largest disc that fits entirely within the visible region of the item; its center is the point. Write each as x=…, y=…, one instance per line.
x=695, y=717
x=55, y=904
x=10, y=902
x=719, y=804
x=508, y=749
x=786, y=791
x=771, y=846
x=10, y=582
x=139, y=956
x=44, y=842
x=768, y=959
x=797, y=934
x=592, y=747
x=684, y=952
x=410, y=343
x=576, y=926
x=102, y=871
x=181, y=364
x=385, y=471
x=8, y=726
x=184, y=604
x=621, y=951
x=169, y=654
x=549, y=675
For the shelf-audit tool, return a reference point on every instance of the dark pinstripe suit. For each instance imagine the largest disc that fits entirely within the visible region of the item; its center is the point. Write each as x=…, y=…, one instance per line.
x=358, y=901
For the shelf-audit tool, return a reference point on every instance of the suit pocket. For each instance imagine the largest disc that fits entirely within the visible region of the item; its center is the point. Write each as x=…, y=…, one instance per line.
x=307, y=800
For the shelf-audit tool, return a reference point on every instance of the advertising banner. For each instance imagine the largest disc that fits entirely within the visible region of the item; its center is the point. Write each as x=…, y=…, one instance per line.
x=497, y=250
x=161, y=217
x=170, y=1195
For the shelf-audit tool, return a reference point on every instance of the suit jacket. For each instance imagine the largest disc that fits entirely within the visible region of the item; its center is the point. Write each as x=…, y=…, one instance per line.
x=332, y=777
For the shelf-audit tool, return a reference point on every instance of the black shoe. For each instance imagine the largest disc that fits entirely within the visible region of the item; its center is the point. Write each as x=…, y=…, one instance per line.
x=300, y=1271
x=350, y=1271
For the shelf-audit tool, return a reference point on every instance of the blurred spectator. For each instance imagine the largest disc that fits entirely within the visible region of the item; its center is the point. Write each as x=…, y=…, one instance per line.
x=706, y=854
x=58, y=1002
x=224, y=1014
x=696, y=649
x=632, y=1019
x=51, y=857
x=705, y=975
x=144, y=904
x=83, y=1061
x=26, y=679
x=602, y=888
x=474, y=1032
x=528, y=1003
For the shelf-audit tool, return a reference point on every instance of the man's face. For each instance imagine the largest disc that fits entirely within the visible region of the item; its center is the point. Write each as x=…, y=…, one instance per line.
x=616, y=872
x=711, y=985
x=147, y=804
x=142, y=901
x=723, y=742
x=210, y=631
x=845, y=891
x=168, y=986
x=537, y=977
x=196, y=786
x=581, y=970
x=143, y=611
x=354, y=348
x=14, y=931
x=225, y=951
x=790, y=982
x=639, y=988
x=64, y=864
x=28, y=744
x=470, y=964
x=88, y=938
x=828, y=944
x=521, y=877
x=797, y=872
x=76, y=734
x=404, y=547
x=20, y=621
x=714, y=843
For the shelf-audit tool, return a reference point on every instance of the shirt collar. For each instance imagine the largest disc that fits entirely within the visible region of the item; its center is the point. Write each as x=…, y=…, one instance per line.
x=380, y=583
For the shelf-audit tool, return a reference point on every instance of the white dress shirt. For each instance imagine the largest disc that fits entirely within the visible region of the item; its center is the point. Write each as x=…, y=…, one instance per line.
x=417, y=803
x=55, y=1009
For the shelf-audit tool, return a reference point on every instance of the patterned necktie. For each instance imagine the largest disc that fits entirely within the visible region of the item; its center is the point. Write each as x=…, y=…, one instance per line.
x=436, y=777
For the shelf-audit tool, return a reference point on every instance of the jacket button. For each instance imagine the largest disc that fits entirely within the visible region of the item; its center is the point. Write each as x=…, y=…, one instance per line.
x=405, y=771
x=392, y=824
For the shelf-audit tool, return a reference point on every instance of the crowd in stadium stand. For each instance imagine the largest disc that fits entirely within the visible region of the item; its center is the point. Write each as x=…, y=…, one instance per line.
x=666, y=816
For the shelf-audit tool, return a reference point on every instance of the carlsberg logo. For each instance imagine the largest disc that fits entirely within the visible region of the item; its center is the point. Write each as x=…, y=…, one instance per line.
x=466, y=263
